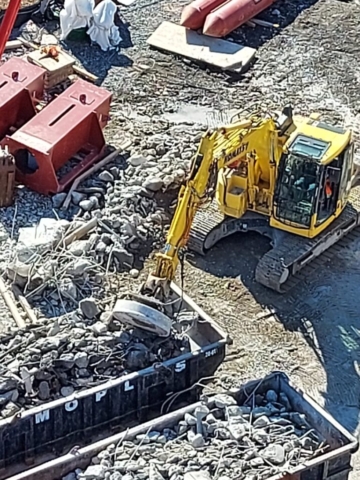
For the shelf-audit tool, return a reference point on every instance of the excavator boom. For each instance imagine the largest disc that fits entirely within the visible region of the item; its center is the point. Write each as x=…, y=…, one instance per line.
x=218, y=150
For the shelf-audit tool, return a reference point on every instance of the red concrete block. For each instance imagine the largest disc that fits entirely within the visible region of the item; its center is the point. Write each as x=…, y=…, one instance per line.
x=21, y=86
x=68, y=129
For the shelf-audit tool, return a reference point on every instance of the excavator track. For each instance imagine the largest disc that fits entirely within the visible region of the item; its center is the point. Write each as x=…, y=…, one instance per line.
x=206, y=227
x=291, y=260
x=283, y=266
x=210, y=226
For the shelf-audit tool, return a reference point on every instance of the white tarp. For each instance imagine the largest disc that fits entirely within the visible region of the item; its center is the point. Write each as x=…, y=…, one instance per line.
x=99, y=19
x=103, y=31
x=75, y=14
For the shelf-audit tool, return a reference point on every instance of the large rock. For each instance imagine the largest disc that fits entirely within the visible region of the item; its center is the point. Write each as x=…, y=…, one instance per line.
x=136, y=160
x=40, y=239
x=89, y=308
x=94, y=472
x=123, y=256
x=154, y=184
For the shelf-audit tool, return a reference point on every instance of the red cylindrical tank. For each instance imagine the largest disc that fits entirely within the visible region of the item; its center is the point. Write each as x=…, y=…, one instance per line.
x=232, y=15
x=7, y=23
x=193, y=15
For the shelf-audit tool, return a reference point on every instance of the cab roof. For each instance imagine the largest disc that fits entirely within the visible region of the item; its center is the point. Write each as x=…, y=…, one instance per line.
x=318, y=141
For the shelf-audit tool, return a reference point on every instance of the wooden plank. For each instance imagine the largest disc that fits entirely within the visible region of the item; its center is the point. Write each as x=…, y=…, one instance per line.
x=64, y=61
x=264, y=23
x=92, y=170
x=13, y=45
x=25, y=304
x=78, y=70
x=212, y=51
x=84, y=73
x=11, y=305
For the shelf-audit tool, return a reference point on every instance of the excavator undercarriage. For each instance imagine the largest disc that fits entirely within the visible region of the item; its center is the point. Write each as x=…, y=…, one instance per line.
x=291, y=256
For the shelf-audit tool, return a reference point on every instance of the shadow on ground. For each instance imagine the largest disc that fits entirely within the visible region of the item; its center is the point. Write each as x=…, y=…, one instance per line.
x=280, y=13
x=324, y=308
x=91, y=57
x=95, y=61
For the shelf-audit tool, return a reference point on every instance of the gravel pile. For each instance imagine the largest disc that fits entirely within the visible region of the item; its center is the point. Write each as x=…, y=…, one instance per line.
x=218, y=440
x=72, y=353
x=128, y=197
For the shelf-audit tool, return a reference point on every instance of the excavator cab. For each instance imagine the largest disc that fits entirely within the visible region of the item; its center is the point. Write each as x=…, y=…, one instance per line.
x=314, y=180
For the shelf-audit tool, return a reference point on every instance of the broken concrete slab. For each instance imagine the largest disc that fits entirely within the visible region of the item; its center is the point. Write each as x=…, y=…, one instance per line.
x=212, y=51
x=40, y=238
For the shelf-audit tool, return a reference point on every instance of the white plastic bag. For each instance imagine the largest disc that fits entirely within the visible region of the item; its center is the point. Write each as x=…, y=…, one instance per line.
x=75, y=14
x=103, y=31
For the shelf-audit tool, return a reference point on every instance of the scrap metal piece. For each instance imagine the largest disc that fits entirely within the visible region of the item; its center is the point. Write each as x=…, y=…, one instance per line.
x=69, y=128
x=142, y=316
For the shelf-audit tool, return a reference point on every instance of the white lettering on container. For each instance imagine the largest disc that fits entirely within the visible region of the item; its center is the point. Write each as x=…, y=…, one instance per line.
x=211, y=353
x=71, y=406
x=128, y=386
x=42, y=416
x=100, y=395
x=180, y=366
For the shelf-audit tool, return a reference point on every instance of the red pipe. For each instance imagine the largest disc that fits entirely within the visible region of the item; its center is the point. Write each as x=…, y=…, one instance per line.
x=7, y=23
x=232, y=15
x=193, y=15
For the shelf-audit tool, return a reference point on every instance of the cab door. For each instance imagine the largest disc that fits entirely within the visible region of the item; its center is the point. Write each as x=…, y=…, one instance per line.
x=346, y=175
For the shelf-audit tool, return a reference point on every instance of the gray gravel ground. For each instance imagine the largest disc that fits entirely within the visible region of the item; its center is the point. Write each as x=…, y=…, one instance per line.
x=314, y=332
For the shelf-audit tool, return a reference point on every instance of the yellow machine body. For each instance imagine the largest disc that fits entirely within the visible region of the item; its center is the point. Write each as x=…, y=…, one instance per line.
x=279, y=166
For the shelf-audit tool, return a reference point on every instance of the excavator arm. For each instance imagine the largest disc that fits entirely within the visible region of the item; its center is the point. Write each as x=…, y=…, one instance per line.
x=199, y=188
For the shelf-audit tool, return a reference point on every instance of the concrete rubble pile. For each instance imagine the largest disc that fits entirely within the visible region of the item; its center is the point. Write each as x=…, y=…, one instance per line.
x=77, y=343
x=132, y=206
x=219, y=440
x=76, y=352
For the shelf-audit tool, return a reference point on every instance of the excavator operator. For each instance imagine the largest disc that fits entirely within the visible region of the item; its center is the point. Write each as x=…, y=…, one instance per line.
x=328, y=193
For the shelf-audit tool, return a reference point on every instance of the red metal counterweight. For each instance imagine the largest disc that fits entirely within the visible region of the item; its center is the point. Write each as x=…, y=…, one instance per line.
x=69, y=128
x=232, y=15
x=21, y=86
x=193, y=15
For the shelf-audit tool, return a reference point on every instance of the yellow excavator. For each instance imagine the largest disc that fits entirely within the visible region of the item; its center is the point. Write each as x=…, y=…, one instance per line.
x=283, y=176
